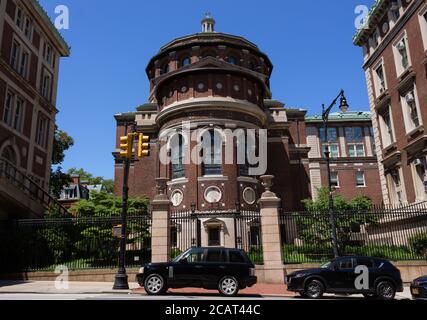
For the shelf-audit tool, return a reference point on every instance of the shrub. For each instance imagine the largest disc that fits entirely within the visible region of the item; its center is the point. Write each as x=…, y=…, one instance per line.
x=418, y=244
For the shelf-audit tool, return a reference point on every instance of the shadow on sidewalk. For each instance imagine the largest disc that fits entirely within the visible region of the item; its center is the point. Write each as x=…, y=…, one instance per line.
x=8, y=283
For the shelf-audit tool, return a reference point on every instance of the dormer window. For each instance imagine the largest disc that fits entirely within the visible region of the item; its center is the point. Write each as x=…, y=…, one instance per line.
x=165, y=69
x=185, y=62
x=232, y=60
x=395, y=10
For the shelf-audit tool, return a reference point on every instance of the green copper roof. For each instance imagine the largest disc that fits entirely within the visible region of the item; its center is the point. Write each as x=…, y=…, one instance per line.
x=51, y=26
x=366, y=27
x=343, y=116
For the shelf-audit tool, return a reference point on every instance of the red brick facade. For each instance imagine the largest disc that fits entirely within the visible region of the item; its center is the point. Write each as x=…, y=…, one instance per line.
x=399, y=96
x=219, y=81
x=29, y=48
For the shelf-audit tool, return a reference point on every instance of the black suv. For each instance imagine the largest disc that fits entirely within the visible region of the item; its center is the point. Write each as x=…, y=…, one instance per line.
x=343, y=275
x=227, y=270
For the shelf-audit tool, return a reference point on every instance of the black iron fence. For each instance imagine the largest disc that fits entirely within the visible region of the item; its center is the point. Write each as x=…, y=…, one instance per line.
x=77, y=243
x=237, y=229
x=395, y=233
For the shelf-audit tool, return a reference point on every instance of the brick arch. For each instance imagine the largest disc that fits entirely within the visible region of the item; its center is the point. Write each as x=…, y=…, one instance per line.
x=10, y=151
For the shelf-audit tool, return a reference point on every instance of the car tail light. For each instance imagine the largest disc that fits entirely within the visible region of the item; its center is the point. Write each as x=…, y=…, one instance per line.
x=252, y=272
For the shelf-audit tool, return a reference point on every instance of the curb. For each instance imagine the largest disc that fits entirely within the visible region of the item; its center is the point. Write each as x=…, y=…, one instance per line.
x=85, y=292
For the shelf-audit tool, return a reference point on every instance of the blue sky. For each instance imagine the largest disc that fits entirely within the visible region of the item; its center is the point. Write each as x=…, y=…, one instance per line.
x=308, y=41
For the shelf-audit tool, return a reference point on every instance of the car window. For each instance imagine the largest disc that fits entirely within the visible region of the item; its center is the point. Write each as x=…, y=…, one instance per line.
x=364, y=262
x=195, y=256
x=345, y=264
x=236, y=257
x=215, y=255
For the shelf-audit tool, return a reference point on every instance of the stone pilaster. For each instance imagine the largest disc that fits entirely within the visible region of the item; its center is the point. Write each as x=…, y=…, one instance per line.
x=160, y=225
x=271, y=244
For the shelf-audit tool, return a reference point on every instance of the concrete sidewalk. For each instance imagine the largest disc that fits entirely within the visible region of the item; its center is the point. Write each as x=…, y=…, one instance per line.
x=73, y=287
x=48, y=287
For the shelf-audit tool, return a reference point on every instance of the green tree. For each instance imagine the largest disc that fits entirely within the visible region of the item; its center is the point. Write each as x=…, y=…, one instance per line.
x=96, y=241
x=315, y=226
x=58, y=179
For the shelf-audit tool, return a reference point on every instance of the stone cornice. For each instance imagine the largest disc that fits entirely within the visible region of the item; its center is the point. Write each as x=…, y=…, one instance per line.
x=212, y=103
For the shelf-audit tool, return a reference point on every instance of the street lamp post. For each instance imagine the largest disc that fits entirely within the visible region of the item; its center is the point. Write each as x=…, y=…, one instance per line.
x=325, y=117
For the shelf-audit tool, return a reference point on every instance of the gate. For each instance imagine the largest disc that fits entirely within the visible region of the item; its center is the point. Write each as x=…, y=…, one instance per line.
x=230, y=229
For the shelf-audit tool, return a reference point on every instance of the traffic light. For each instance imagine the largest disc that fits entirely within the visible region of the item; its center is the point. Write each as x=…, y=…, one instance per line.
x=126, y=145
x=143, y=146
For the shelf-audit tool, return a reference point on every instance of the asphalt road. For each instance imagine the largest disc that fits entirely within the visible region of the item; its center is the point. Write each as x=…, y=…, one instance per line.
x=32, y=296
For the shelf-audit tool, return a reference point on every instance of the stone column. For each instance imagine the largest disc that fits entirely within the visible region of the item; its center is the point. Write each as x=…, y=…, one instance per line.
x=271, y=244
x=160, y=225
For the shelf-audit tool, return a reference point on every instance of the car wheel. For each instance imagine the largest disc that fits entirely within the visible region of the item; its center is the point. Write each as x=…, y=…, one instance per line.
x=314, y=289
x=386, y=290
x=228, y=286
x=155, y=284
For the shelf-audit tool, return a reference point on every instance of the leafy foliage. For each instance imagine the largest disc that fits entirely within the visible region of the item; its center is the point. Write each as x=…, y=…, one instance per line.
x=314, y=227
x=104, y=204
x=58, y=179
x=419, y=244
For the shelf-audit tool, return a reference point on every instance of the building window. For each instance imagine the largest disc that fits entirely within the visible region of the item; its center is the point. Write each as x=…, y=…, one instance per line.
x=410, y=111
x=401, y=55
x=360, y=179
x=423, y=25
x=28, y=28
x=380, y=83
x=46, y=85
x=355, y=145
x=386, y=128
x=19, y=20
x=250, y=148
x=331, y=145
x=13, y=114
x=8, y=109
x=335, y=180
x=19, y=59
x=373, y=40
x=372, y=137
x=185, y=62
x=394, y=10
x=165, y=68
x=15, y=54
x=18, y=115
x=212, y=153
x=23, y=65
x=48, y=54
x=42, y=131
x=232, y=60
x=420, y=178
x=395, y=186
x=177, y=156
